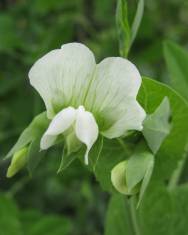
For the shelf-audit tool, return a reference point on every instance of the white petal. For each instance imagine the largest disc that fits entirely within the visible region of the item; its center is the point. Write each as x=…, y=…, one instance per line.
x=47, y=141
x=62, y=76
x=132, y=120
x=60, y=123
x=113, y=95
x=86, y=129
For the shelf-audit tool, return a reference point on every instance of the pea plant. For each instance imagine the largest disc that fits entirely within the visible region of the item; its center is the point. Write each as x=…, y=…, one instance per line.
x=129, y=130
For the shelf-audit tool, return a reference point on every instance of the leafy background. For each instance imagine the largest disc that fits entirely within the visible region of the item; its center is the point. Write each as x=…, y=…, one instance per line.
x=73, y=203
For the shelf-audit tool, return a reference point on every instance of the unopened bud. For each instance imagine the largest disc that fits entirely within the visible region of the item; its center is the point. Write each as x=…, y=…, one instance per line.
x=19, y=160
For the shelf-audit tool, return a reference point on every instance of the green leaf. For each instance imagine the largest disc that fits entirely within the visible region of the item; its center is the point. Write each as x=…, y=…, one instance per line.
x=156, y=126
x=177, y=62
x=118, y=219
x=161, y=212
x=156, y=212
x=127, y=34
x=9, y=220
x=123, y=29
x=179, y=196
x=171, y=151
x=137, y=20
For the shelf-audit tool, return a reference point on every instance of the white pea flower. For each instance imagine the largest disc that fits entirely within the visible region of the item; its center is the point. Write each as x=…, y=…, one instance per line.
x=84, y=98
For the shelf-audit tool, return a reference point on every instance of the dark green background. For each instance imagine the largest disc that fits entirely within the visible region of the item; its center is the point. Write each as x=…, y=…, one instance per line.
x=29, y=29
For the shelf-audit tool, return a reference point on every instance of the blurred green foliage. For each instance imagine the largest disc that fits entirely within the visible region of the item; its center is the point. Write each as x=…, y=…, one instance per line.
x=29, y=29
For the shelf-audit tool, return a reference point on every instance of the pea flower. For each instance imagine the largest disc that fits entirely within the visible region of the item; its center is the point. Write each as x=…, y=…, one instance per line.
x=83, y=98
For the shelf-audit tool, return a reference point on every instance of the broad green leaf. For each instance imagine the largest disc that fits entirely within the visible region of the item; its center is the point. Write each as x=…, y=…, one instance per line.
x=161, y=212
x=123, y=28
x=156, y=126
x=177, y=62
x=179, y=196
x=9, y=220
x=137, y=20
x=155, y=214
x=171, y=151
x=164, y=212
x=118, y=220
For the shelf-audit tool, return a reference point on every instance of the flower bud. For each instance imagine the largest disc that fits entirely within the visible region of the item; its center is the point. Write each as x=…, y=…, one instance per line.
x=118, y=178
x=19, y=160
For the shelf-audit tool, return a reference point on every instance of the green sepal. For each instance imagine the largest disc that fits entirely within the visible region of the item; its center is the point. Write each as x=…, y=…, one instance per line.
x=67, y=159
x=71, y=150
x=32, y=132
x=34, y=155
x=73, y=144
x=30, y=140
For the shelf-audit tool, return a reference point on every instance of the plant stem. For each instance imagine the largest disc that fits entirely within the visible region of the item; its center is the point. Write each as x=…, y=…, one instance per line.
x=134, y=216
x=177, y=173
x=124, y=146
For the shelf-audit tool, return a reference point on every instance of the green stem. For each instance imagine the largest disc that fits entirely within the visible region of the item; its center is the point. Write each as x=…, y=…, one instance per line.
x=132, y=202
x=134, y=216
x=125, y=147
x=177, y=173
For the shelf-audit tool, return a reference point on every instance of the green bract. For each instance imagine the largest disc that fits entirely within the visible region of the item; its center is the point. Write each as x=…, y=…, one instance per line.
x=83, y=98
x=26, y=149
x=156, y=126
